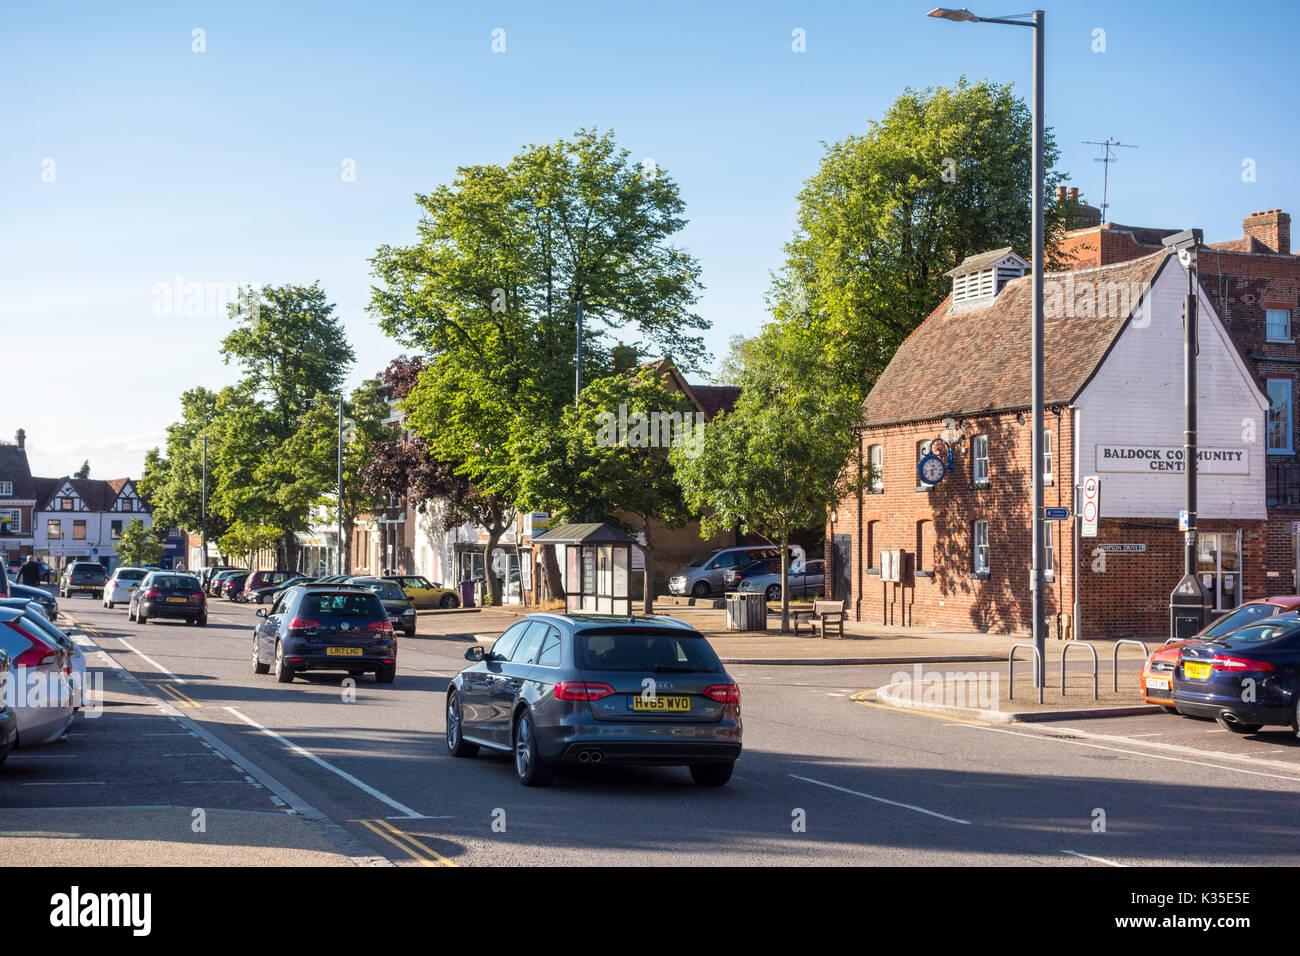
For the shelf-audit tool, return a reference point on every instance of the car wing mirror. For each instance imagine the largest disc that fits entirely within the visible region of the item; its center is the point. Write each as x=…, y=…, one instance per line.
x=475, y=653
x=261, y=612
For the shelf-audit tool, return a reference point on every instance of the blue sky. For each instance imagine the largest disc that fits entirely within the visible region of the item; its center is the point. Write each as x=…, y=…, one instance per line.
x=225, y=166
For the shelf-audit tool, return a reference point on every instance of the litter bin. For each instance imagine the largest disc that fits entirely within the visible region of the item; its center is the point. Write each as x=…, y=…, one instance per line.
x=746, y=611
x=466, y=593
x=1189, y=607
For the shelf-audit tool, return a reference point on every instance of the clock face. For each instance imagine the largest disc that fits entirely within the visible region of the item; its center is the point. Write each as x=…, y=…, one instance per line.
x=931, y=470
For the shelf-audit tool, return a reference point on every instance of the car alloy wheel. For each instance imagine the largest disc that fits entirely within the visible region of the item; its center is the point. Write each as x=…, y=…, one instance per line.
x=774, y=592
x=701, y=589
x=258, y=666
x=457, y=745
x=283, y=672
x=532, y=772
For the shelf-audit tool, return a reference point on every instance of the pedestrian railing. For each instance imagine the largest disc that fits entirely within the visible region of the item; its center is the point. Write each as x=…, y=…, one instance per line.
x=1114, y=657
x=1011, y=671
x=1092, y=650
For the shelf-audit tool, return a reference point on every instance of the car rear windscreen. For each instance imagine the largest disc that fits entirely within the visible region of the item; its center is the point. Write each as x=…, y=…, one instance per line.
x=355, y=604
x=641, y=651
x=1248, y=614
x=134, y=575
x=388, y=592
x=174, y=582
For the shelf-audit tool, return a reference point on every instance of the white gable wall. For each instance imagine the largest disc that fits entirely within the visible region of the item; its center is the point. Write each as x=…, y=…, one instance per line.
x=1136, y=400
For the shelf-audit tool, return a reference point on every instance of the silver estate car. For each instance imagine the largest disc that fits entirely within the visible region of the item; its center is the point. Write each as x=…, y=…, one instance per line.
x=702, y=576
x=560, y=689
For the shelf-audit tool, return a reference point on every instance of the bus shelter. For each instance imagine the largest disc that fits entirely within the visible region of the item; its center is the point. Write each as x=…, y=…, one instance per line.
x=598, y=567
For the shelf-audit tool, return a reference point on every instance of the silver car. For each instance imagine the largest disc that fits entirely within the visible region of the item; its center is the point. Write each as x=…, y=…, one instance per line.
x=702, y=577
x=806, y=578
x=38, y=688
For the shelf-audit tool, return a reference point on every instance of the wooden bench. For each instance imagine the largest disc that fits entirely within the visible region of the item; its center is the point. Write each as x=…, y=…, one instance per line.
x=825, y=616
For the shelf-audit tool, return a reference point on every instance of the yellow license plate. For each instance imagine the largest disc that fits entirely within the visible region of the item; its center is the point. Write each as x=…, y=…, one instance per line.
x=343, y=651
x=660, y=704
x=175, y=600
x=1196, y=671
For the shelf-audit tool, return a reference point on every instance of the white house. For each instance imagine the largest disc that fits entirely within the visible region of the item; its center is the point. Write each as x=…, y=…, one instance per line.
x=81, y=519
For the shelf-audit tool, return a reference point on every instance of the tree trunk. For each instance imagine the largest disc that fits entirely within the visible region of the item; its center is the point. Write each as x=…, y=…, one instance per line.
x=551, y=565
x=494, y=586
x=648, y=575
x=290, y=553
x=785, y=582
x=344, y=564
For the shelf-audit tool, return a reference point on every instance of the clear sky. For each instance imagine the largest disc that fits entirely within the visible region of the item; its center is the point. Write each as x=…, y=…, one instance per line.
x=226, y=166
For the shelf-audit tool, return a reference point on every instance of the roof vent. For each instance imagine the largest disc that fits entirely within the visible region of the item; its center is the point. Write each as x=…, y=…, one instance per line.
x=984, y=275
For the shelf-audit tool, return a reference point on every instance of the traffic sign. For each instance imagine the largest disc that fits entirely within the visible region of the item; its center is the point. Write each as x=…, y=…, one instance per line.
x=94, y=551
x=1056, y=514
x=1091, y=506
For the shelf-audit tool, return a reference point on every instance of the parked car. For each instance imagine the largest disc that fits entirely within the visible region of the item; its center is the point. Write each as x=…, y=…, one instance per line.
x=424, y=592
x=763, y=563
x=205, y=575
x=168, y=594
x=703, y=576
x=268, y=594
x=218, y=580
x=400, y=608
x=8, y=717
x=121, y=583
x=1157, y=677
x=75, y=666
x=260, y=579
x=41, y=596
x=587, y=689
x=1244, y=679
x=83, y=577
x=806, y=579
x=325, y=628
x=232, y=586
x=35, y=659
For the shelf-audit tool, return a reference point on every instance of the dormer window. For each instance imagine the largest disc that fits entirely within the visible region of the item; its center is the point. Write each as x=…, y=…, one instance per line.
x=982, y=277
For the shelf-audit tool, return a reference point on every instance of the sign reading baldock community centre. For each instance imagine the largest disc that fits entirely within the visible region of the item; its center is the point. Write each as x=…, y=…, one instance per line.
x=1143, y=458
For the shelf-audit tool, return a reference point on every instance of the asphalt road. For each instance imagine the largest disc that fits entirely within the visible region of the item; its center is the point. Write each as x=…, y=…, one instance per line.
x=824, y=779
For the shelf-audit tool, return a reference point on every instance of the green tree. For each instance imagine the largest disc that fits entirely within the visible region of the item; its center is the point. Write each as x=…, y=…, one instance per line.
x=777, y=463
x=608, y=458
x=139, y=546
x=945, y=174
x=83, y=471
x=489, y=294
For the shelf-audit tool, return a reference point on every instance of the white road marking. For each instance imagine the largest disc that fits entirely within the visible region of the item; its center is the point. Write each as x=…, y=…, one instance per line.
x=408, y=813
x=892, y=803
x=1134, y=736
x=1096, y=859
x=828, y=694
x=179, y=680
x=69, y=783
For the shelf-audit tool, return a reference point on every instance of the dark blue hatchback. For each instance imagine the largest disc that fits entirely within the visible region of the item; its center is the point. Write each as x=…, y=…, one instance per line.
x=325, y=628
x=1244, y=679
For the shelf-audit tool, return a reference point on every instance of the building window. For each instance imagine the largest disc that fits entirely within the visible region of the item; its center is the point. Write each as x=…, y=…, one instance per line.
x=922, y=449
x=876, y=461
x=981, y=555
x=126, y=504
x=54, y=529
x=115, y=529
x=1279, y=415
x=65, y=504
x=1047, y=456
x=79, y=531
x=1049, y=556
x=12, y=520
x=7, y=488
x=1278, y=325
x=979, y=449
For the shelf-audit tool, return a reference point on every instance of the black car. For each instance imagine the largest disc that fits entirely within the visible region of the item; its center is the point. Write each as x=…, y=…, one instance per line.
x=84, y=577
x=317, y=627
x=232, y=586
x=168, y=594
x=400, y=608
x=41, y=596
x=1243, y=679
x=588, y=689
x=268, y=594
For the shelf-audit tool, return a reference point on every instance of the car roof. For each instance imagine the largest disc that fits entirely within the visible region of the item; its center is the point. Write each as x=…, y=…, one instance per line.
x=582, y=622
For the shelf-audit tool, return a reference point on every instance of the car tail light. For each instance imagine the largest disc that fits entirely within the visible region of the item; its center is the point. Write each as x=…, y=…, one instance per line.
x=197, y=594
x=723, y=693
x=37, y=655
x=380, y=626
x=581, y=690
x=153, y=593
x=303, y=624
x=1221, y=662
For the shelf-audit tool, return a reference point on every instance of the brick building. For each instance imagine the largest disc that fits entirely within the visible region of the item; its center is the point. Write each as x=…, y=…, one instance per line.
x=1113, y=397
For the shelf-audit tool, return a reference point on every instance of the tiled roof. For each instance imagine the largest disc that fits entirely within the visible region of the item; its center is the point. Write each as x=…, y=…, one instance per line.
x=976, y=361
x=14, y=467
x=712, y=399
x=981, y=261
x=97, y=493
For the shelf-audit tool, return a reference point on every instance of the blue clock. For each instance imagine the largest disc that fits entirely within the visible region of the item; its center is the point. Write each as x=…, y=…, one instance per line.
x=931, y=469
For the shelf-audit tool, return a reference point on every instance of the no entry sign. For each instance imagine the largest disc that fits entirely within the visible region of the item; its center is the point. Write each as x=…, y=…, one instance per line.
x=1091, y=510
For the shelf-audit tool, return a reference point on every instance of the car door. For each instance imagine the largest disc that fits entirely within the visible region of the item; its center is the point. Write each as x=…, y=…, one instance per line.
x=478, y=681
x=268, y=628
x=511, y=676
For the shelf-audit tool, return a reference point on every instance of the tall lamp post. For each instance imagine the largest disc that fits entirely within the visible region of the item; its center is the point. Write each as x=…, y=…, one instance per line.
x=1036, y=21
x=339, y=549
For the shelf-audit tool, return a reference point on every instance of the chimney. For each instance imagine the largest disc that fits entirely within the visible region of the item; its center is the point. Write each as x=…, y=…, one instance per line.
x=1270, y=228
x=1074, y=194
x=21, y=438
x=1060, y=194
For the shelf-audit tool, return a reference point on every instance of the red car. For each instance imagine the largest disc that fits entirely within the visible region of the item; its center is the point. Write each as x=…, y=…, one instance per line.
x=1157, y=680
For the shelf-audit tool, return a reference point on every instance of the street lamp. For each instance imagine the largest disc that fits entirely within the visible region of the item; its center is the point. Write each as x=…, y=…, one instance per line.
x=339, y=543
x=1037, y=22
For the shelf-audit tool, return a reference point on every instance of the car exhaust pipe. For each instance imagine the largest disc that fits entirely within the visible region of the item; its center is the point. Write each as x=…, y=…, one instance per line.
x=595, y=756
x=584, y=756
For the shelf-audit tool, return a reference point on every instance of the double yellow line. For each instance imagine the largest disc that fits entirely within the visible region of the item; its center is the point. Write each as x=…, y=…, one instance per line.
x=404, y=842
x=180, y=696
